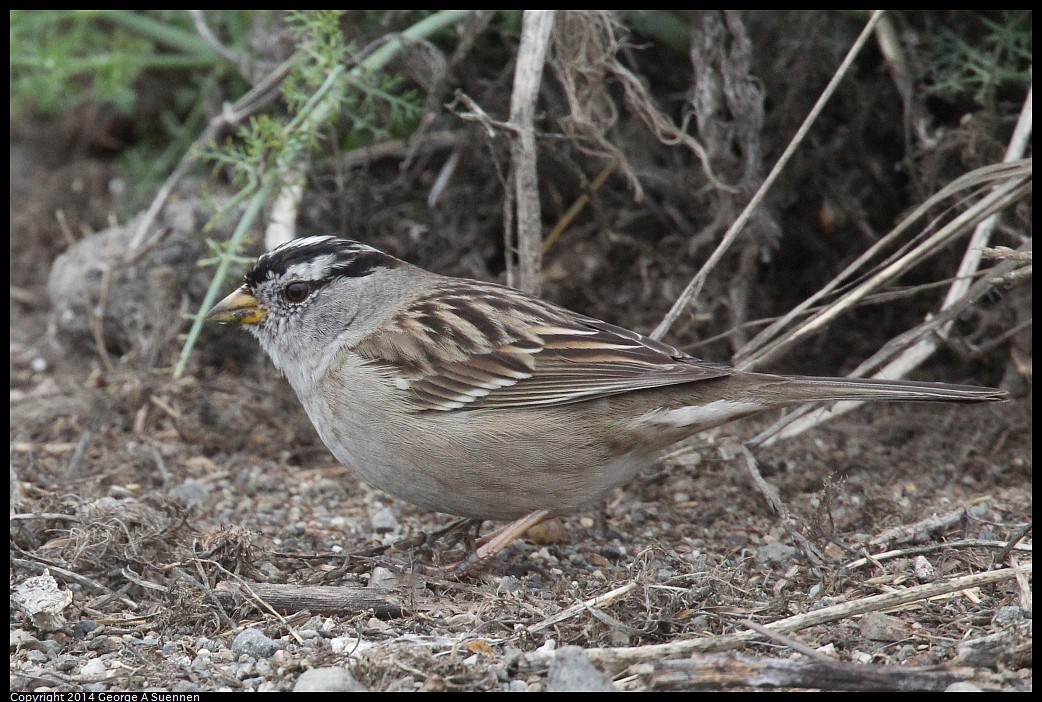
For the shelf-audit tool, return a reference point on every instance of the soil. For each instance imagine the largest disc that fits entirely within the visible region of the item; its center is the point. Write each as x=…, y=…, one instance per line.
x=163, y=507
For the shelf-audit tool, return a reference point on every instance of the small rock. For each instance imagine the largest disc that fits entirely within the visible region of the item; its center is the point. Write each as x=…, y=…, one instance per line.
x=20, y=638
x=905, y=653
x=104, y=644
x=43, y=600
x=383, y=578
x=51, y=647
x=384, y=521
x=775, y=553
x=190, y=493
x=699, y=623
x=545, y=556
x=963, y=687
x=510, y=656
x=508, y=583
x=349, y=645
x=328, y=680
x=551, y=531
x=378, y=626
x=572, y=671
x=924, y=570
x=835, y=552
x=223, y=655
x=252, y=642
x=94, y=668
x=1009, y=613
x=876, y=626
x=979, y=654
x=828, y=649
x=861, y=657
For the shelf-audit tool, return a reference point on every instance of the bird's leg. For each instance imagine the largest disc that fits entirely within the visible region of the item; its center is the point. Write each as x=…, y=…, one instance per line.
x=456, y=531
x=498, y=540
x=487, y=547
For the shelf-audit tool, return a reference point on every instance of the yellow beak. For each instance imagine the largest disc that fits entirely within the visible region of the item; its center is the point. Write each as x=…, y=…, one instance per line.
x=241, y=307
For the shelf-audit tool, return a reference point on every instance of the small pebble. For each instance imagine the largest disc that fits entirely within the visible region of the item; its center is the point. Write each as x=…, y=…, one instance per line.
x=384, y=521
x=1009, y=613
x=328, y=680
x=924, y=570
x=252, y=642
x=572, y=671
x=94, y=668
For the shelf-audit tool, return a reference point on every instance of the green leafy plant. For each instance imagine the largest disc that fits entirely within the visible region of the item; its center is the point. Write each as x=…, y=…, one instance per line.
x=61, y=59
x=318, y=92
x=979, y=63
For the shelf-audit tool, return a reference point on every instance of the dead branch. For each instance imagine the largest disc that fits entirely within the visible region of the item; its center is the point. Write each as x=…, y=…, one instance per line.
x=724, y=671
x=618, y=658
x=320, y=599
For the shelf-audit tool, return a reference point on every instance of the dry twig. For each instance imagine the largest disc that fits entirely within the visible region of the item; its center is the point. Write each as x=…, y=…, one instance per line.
x=617, y=658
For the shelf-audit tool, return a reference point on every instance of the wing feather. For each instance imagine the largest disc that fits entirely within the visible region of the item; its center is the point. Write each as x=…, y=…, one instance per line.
x=469, y=345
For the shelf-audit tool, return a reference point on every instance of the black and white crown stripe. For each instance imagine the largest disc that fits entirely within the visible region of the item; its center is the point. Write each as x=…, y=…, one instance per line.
x=318, y=259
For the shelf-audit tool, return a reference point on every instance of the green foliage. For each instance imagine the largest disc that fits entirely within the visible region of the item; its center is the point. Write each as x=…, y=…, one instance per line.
x=663, y=26
x=64, y=58
x=50, y=69
x=319, y=92
x=976, y=63
x=61, y=59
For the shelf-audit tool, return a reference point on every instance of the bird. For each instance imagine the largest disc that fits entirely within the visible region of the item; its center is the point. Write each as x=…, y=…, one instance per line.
x=482, y=401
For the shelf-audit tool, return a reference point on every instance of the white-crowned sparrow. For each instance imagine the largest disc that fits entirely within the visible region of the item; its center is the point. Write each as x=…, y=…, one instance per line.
x=482, y=401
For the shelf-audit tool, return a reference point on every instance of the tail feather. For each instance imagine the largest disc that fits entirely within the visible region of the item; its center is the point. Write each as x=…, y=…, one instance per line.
x=813, y=388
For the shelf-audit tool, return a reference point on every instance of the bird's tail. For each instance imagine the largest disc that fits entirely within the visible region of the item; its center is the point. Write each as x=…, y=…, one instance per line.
x=811, y=389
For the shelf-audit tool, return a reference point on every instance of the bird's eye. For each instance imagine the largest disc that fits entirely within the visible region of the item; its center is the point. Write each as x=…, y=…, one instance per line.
x=297, y=291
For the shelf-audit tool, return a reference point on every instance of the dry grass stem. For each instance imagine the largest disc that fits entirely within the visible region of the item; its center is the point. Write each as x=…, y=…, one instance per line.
x=536, y=26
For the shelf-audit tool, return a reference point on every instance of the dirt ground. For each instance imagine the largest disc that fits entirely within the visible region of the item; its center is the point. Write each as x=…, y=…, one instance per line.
x=175, y=515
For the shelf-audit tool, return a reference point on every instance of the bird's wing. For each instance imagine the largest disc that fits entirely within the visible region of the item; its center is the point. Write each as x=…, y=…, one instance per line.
x=468, y=345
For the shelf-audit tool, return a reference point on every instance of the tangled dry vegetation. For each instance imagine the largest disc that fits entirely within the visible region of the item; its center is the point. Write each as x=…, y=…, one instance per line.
x=192, y=534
